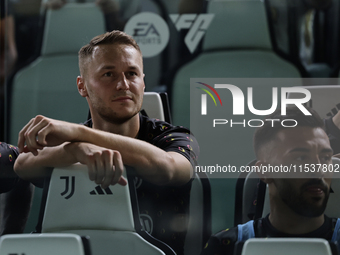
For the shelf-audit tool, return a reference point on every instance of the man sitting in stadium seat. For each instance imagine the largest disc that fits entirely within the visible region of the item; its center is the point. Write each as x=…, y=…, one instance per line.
x=112, y=81
x=297, y=204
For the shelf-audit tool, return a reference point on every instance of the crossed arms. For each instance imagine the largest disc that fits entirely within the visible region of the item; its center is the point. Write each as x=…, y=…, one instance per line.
x=47, y=143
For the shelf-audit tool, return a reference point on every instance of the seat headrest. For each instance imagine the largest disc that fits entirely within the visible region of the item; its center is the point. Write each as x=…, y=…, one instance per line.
x=71, y=27
x=74, y=202
x=40, y=244
x=237, y=24
x=152, y=104
x=279, y=246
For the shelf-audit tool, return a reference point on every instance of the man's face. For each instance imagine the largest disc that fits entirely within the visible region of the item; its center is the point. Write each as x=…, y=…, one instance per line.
x=306, y=196
x=114, y=82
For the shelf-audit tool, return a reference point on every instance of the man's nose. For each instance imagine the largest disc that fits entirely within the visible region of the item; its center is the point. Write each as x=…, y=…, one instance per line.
x=122, y=83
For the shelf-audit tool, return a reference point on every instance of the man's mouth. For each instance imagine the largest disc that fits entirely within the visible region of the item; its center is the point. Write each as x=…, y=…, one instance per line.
x=122, y=98
x=316, y=189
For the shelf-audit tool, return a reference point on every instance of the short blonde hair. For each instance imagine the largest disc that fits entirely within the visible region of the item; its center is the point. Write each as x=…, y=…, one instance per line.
x=113, y=37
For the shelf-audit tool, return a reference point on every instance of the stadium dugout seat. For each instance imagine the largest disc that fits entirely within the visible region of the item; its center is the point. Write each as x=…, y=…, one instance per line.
x=199, y=228
x=283, y=246
x=233, y=47
x=47, y=86
x=74, y=204
x=42, y=244
x=157, y=106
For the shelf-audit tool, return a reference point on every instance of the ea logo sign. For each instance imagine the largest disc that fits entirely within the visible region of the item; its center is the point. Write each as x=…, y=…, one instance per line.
x=149, y=31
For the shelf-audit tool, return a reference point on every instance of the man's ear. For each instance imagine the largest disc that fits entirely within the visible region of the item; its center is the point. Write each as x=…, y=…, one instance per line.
x=81, y=86
x=264, y=175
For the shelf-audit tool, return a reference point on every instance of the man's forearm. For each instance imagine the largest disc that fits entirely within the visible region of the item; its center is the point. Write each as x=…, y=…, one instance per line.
x=30, y=167
x=151, y=162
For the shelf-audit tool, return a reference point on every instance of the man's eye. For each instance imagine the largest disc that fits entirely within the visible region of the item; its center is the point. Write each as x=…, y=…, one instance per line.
x=132, y=73
x=301, y=158
x=108, y=74
x=326, y=158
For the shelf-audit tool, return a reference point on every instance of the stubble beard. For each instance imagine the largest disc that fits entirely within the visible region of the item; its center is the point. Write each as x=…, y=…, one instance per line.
x=113, y=117
x=302, y=206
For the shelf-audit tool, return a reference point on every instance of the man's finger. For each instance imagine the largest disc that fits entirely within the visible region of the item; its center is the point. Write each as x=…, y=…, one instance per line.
x=108, y=165
x=122, y=181
x=32, y=132
x=99, y=168
x=91, y=168
x=119, y=167
x=43, y=133
x=21, y=136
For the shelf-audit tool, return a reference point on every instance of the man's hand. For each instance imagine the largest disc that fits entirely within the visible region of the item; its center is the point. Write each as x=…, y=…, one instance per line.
x=105, y=166
x=40, y=132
